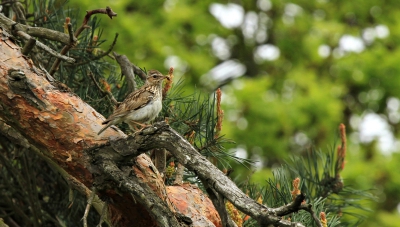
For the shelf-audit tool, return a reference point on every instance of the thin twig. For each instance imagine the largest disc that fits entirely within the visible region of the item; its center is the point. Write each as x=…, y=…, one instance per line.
x=88, y=205
x=294, y=206
x=108, y=93
x=67, y=47
x=107, y=11
x=100, y=55
x=103, y=214
x=19, y=11
x=48, y=76
x=46, y=48
x=308, y=207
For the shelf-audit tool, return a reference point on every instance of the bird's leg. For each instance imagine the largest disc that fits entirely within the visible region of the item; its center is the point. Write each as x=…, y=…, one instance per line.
x=133, y=126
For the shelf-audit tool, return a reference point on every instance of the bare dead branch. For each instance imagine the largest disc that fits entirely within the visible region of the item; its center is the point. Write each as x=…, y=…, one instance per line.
x=127, y=67
x=295, y=206
x=110, y=13
x=291, y=207
x=19, y=11
x=138, y=71
x=35, y=31
x=13, y=135
x=46, y=48
x=308, y=208
x=88, y=205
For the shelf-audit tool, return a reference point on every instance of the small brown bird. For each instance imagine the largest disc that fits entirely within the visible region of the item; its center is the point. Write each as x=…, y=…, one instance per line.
x=140, y=106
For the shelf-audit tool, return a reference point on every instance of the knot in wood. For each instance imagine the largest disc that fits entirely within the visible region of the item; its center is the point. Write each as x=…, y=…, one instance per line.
x=16, y=75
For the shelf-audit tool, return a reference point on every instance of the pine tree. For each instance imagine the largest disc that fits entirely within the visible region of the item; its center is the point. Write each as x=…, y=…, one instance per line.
x=50, y=154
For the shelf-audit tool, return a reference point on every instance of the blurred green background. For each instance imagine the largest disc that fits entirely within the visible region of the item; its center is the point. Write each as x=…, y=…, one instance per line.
x=290, y=72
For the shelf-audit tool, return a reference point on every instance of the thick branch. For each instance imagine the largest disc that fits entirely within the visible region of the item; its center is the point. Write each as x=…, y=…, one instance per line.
x=142, y=192
x=188, y=156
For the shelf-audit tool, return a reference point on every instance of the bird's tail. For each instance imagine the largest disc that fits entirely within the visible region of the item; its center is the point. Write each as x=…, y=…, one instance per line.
x=109, y=123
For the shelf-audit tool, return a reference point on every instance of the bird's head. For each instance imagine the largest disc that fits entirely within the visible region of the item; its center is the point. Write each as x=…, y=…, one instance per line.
x=154, y=77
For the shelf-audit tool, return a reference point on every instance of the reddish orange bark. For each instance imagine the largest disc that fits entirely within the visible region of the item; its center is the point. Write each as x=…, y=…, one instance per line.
x=192, y=202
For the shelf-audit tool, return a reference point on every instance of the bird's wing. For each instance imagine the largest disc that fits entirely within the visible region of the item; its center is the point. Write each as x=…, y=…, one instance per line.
x=133, y=101
x=139, y=101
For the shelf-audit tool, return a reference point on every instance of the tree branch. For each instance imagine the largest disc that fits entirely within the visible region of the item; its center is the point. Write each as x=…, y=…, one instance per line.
x=46, y=48
x=155, y=206
x=110, y=13
x=35, y=31
x=129, y=70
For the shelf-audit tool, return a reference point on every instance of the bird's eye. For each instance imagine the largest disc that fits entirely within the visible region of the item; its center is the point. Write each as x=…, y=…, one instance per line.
x=154, y=76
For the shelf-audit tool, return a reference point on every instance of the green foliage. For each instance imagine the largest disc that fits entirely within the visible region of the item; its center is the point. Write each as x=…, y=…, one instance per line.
x=322, y=185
